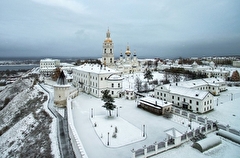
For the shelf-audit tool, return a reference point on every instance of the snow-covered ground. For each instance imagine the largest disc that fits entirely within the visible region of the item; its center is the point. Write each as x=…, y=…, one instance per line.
x=95, y=139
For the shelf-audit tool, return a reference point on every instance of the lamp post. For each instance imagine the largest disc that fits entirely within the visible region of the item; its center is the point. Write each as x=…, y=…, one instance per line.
x=117, y=111
x=91, y=112
x=108, y=139
x=143, y=130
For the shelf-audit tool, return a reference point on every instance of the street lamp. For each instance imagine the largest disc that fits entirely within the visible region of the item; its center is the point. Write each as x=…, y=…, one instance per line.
x=92, y=112
x=143, y=130
x=117, y=111
x=108, y=139
x=190, y=125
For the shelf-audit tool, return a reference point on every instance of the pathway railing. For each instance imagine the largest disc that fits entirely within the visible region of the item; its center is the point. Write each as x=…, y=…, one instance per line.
x=195, y=135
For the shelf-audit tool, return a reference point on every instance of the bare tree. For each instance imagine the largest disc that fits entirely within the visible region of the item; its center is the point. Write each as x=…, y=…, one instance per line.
x=235, y=76
x=138, y=84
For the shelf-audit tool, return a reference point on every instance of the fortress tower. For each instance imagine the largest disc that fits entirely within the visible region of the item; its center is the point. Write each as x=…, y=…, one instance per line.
x=61, y=91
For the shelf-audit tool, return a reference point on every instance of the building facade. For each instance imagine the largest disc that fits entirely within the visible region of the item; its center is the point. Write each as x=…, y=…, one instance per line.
x=93, y=78
x=192, y=99
x=48, y=66
x=212, y=85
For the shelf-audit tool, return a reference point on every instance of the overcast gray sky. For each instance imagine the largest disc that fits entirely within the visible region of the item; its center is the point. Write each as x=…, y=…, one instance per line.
x=154, y=28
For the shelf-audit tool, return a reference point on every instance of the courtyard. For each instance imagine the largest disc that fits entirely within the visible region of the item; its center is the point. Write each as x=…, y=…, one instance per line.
x=93, y=125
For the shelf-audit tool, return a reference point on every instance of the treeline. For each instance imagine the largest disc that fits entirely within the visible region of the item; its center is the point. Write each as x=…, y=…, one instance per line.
x=176, y=73
x=10, y=72
x=90, y=61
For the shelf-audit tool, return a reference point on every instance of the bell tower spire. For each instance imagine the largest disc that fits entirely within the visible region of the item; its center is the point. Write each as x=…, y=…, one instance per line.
x=108, y=34
x=108, y=53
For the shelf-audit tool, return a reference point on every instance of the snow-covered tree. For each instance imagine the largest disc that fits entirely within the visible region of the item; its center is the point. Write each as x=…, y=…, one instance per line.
x=148, y=75
x=109, y=100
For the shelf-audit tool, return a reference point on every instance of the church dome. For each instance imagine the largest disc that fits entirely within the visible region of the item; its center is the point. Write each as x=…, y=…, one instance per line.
x=108, y=40
x=128, y=52
x=108, y=37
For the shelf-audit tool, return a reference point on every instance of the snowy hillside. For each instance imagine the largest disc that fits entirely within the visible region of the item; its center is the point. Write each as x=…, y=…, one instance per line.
x=25, y=126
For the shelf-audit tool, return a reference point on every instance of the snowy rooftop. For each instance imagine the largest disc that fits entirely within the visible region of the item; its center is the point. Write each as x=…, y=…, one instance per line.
x=95, y=68
x=192, y=93
x=115, y=77
x=155, y=101
x=173, y=132
x=200, y=82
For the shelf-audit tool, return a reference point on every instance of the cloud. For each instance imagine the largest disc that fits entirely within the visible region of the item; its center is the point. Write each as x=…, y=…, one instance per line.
x=71, y=5
x=156, y=28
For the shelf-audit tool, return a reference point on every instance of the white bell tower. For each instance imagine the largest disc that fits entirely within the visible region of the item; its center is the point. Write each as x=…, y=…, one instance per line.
x=108, y=52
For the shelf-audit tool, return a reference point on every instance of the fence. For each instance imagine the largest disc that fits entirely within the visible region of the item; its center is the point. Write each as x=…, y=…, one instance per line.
x=205, y=120
x=75, y=140
x=159, y=147
x=194, y=135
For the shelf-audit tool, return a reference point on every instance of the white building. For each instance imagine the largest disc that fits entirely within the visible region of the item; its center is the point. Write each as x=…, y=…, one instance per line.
x=218, y=73
x=236, y=63
x=92, y=79
x=47, y=66
x=128, y=63
x=213, y=85
x=192, y=99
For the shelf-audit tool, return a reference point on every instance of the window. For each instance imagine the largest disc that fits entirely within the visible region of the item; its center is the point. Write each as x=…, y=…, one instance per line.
x=197, y=103
x=118, y=85
x=110, y=60
x=157, y=93
x=112, y=85
x=112, y=92
x=104, y=51
x=172, y=97
x=110, y=50
x=190, y=101
x=178, y=98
